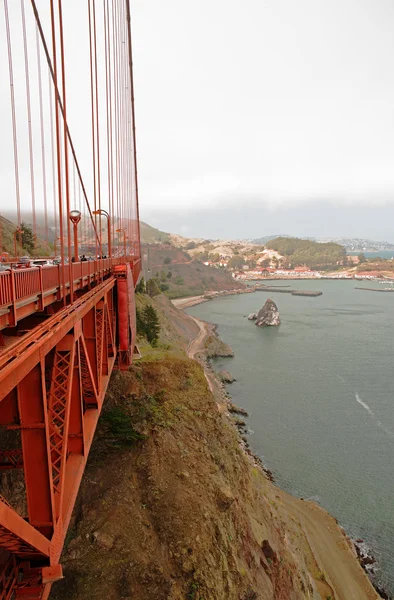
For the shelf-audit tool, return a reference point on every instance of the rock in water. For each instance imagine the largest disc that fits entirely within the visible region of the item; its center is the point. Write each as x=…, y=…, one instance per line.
x=268, y=315
x=252, y=316
x=226, y=377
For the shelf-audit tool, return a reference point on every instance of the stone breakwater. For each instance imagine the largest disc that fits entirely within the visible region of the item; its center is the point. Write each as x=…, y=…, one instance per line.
x=288, y=291
x=194, y=300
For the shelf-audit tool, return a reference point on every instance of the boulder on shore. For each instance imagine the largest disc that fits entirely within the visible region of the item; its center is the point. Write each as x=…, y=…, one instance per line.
x=268, y=315
x=226, y=377
x=252, y=316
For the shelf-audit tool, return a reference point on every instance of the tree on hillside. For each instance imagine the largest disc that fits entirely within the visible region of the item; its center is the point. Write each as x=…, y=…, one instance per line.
x=152, y=324
x=236, y=262
x=361, y=257
x=28, y=240
x=141, y=287
x=152, y=287
x=167, y=260
x=140, y=322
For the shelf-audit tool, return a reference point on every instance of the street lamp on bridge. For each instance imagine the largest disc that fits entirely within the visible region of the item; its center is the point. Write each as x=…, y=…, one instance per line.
x=124, y=239
x=101, y=211
x=75, y=217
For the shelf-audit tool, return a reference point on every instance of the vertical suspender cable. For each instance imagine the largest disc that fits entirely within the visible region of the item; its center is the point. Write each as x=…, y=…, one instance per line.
x=55, y=204
x=112, y=211
x=44, y=178
x=58, y=153
x=128, y=19
x=28, y=103
x=116, y=136
x=107, y=104
x=92, y=110
x=97, y=124
x=65, y=141
x=14, y=132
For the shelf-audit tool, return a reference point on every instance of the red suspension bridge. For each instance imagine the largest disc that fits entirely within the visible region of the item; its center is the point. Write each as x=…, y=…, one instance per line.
x=69, y=167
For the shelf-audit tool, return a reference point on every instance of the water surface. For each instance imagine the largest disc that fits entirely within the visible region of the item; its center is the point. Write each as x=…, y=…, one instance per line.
x=320, y=393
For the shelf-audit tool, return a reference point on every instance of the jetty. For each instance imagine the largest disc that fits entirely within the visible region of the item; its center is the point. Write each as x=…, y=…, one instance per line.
x=366, y=289
x=279, y=290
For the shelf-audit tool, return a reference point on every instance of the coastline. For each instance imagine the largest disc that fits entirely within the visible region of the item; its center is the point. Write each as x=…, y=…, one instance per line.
x=332, y=551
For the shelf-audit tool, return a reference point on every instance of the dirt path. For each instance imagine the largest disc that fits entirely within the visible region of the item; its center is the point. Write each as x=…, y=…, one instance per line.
x=331, y=550
x=197, y=344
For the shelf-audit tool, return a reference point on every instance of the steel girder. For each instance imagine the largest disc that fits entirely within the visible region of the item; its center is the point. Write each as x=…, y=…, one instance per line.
x=52, y=386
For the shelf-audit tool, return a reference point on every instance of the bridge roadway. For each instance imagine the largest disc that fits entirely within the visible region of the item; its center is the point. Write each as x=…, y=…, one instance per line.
x=26, y=291
x=53, y=380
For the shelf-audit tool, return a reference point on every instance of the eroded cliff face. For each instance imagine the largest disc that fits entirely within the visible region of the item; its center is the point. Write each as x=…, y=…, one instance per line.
x=182, y=512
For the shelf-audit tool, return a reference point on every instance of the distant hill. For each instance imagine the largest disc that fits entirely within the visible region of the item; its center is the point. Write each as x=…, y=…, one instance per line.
x=151, y=235
x=361, y=244
x=301, y=252
x=267, y=238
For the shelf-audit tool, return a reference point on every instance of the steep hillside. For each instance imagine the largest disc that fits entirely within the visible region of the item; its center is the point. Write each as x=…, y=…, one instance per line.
x=7, y=229
x=183, y=275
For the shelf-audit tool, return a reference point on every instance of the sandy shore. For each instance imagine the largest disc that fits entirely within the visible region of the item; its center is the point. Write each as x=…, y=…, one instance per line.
x=332, y=559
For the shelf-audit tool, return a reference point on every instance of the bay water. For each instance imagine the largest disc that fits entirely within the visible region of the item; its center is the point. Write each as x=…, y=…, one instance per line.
x=319, y=390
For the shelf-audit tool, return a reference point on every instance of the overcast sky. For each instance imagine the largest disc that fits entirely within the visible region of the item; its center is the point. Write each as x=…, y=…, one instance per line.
x=253, y=116
x=271, y=104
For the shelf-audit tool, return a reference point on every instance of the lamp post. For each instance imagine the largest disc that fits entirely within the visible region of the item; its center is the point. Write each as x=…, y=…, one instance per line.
x=15, y=234
x=75, y=217
x=101, y=211
x=124, y=239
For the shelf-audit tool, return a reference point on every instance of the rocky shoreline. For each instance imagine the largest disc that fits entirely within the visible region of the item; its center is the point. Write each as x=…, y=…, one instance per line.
x=216, y=348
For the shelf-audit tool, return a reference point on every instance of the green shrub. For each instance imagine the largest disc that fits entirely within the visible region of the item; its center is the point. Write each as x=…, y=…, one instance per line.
x=120, y=431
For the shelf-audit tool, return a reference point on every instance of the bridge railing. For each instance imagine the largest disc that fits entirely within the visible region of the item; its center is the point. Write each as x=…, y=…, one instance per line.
x=5, y=289
x=45, y=284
